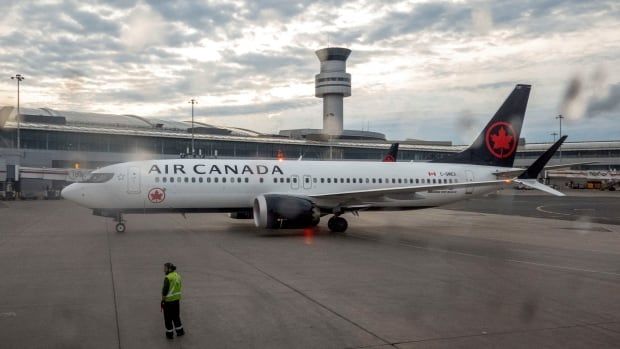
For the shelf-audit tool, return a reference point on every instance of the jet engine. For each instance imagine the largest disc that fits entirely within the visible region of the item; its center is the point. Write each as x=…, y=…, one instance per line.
x=273, y=211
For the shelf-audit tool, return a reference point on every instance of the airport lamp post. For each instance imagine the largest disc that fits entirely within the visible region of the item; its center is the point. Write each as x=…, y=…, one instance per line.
x=192, y=102
x=560, y=117
x=554, y=134
x=19, y=79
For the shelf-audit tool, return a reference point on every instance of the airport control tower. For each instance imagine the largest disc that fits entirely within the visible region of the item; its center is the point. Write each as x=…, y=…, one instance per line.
x=333, y=84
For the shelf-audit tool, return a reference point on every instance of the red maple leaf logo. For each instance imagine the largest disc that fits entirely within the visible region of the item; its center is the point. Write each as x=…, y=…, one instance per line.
x=501, y=140
x=156, y=195
x=503, y=137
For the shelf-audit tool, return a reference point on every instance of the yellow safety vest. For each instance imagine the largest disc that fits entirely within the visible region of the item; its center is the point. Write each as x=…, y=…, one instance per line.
x=174, y=289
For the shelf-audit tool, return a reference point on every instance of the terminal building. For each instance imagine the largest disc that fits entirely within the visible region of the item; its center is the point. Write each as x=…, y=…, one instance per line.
x=57, y=147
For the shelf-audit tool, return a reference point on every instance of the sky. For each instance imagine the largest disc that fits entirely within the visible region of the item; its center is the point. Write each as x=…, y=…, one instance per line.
x=434, y=70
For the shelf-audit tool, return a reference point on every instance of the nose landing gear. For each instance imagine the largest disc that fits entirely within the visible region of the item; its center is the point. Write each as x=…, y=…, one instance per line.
x=120, y=225
x=337, y=224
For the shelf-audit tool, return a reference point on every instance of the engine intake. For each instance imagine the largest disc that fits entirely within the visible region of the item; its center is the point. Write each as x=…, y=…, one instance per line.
x=273, y=211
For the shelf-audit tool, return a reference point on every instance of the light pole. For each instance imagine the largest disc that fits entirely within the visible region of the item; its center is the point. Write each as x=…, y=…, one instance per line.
x=19, y=79
x=560, y=117
x=554, y=134
x=192, y=102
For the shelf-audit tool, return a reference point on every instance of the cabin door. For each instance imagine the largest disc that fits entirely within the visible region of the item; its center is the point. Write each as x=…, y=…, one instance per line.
x=133, y=180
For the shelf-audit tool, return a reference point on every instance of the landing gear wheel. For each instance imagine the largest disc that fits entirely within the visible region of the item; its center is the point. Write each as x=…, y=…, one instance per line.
x=120, y=227
x=337, y=224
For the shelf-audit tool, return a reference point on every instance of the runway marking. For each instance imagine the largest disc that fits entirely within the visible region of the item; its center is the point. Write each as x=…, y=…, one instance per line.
x=434, y=249
x=118, y=330
x=539, y=209
x=306, y=296
x=500, y=333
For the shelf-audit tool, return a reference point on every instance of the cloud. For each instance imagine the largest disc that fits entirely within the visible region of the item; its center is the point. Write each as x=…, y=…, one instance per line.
x=143, y=27
x=415, y=65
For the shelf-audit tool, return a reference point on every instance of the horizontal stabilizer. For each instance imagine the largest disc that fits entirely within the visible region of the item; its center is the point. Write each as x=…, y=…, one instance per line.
x=534, y=184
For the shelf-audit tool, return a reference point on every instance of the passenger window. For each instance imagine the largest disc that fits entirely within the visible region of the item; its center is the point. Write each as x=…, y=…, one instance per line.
x=322, y=180
x=275, y=180
x=314, y=180
x=215, y=179
x=393, y=180
x=208, y=179
x=193, y=179
x=238, y=179
x=400, y=181
x=223, y=179
x=368, y=180
x=156, y=179
x=348, y=180
x=380, y=181
x=354, y=180
x=200, y=179
x=434, y=182
x=247, y=180
x=361, y=180
x=171, y=179
x=329, y=180
x=282, y=180
x=261, y=180
x=288, y=180
x=164, y=179
x=307, y=180
x=179, y=179
x=374, y=180
x=294, y=179
x=341, y=180
x=410, y=180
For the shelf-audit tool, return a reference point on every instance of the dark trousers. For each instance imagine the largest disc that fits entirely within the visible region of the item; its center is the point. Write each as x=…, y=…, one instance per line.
x=172, y=316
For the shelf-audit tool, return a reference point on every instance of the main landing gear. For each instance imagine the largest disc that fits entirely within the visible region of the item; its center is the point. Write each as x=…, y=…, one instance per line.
x=120, y=225
x=337, y=224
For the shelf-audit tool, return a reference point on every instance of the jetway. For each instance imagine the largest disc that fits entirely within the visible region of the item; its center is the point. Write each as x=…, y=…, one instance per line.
x=36, y=182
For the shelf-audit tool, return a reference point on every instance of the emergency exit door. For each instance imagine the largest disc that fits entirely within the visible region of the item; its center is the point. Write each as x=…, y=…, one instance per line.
x=133, y=180
x=470, y=178
x=307, y=182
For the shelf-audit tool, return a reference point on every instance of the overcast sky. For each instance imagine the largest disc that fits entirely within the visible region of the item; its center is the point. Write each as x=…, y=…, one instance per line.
x=433, y=70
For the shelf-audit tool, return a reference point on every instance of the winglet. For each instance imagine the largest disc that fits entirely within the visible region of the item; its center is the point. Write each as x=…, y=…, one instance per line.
x=529, y=177
x=534, y=170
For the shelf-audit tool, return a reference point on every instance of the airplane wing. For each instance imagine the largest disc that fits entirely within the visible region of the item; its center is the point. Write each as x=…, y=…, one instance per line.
x=516, y=172
x=369, y=194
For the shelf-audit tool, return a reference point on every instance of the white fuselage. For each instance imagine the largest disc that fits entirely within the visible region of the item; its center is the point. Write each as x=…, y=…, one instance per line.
x=230, y=185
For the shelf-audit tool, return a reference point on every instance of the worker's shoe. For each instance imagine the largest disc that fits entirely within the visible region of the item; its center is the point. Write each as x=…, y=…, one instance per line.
x=170, y=335
x=180, y=332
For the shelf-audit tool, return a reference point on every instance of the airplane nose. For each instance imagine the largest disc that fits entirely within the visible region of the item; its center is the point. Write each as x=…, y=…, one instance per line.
x=70, y=192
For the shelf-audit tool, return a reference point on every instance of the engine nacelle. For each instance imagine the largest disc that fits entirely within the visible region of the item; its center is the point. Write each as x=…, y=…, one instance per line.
x=273, y=211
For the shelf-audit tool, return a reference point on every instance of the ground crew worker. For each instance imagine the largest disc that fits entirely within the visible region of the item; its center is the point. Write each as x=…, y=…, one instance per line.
x=170, y=301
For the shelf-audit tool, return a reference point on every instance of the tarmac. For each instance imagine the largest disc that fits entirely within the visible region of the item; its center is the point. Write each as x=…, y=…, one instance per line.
x=491, y=272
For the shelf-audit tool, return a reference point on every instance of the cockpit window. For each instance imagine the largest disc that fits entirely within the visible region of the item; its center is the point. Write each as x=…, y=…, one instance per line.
x=99, y=177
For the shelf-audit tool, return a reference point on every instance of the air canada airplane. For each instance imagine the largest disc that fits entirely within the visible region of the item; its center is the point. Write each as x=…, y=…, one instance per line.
x=280, y=194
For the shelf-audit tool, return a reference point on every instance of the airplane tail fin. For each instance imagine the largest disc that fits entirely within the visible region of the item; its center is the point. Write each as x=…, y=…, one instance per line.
x=530, y=175
x=392, y=154
x=497, y=144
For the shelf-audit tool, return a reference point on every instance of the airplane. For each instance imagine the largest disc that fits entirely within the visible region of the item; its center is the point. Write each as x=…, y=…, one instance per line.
x=392, y=154
x=283, y=194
